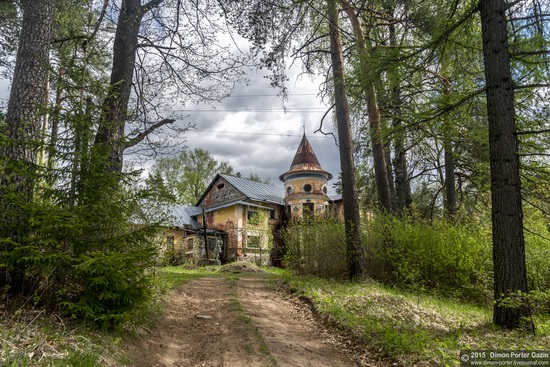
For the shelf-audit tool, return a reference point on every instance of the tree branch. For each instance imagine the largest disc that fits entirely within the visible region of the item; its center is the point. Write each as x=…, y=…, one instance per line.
x=530, y=132
x=150, y=5
x=139, y=137
x=530, y=53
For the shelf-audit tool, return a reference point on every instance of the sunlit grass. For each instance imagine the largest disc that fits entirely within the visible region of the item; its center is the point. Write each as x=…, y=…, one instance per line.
x=411, y=327
x=173, y=276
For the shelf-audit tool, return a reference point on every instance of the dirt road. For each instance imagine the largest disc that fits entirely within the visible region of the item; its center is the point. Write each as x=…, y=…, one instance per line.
x=239, y=321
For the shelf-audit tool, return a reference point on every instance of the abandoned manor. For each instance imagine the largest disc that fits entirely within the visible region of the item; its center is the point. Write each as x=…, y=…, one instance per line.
x=239, y=219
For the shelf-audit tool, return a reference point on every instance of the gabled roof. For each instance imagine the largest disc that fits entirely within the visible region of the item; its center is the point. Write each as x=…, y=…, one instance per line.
x=305, y=160
x=257, y=191
x=253, y=190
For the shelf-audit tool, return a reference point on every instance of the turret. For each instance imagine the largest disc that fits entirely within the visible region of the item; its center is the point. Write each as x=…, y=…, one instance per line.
x=306, y=192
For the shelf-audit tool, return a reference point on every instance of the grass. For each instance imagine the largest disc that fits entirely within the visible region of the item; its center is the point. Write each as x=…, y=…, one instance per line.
x=412, y=328
x=409, y=327
x=32, y=338
x=46, y=341
x=173, y=276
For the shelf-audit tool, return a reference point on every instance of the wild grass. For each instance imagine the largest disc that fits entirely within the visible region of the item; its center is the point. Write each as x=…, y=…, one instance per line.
x=172, y=276
x=33, y=339
x=412, y=328
x=30, y=337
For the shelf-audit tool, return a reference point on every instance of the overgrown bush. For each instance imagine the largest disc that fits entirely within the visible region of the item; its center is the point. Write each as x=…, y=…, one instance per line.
x=87, y=261
x=316, y=247
x=110, y=284
x=537, y=252
x=455, y=258
x=173, y=258
x=452, y=258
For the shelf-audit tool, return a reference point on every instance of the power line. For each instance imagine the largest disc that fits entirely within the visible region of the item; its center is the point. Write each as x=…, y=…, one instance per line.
x=270, y=95
x=292, y=110
x=262, y=134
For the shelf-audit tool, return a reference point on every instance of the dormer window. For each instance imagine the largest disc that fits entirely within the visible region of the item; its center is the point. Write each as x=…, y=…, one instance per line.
x=307, y=188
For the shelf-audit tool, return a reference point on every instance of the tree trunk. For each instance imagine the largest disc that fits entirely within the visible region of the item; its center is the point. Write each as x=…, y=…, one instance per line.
x=403, y=193
x=510, y=275
x=354, y=246
x=450, y=203
x=391, y=177
x=378, y=153
x=110, y=135
x=18, y=155
x=27, y=98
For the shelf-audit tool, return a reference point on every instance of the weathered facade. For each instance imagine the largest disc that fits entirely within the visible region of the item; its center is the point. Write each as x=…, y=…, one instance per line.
x=243, y=216
x=246, y=211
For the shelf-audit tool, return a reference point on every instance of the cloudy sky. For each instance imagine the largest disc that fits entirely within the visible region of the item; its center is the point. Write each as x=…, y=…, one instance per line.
x=254, y=134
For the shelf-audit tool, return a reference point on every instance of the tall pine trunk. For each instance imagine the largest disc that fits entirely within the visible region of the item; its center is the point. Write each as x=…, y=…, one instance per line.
x=403, y=195
x=375, y=130
x=110, y=136
x=26, y=103
x=510, y=276
x=18, y=154
x=352, y=219
x=450, y=204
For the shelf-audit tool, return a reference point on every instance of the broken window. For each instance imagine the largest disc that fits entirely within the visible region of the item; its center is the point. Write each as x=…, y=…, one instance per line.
x=169, y=243
x=253, y=242
x=307, y=209
x=253, y=217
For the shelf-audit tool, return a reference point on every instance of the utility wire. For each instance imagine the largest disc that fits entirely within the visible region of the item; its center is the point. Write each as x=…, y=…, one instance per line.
x=295, y=110
x=262, y=134
x=269, y=95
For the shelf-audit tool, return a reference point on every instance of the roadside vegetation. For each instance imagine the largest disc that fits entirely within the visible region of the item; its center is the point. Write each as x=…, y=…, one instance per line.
x=412, y=328
x=31, y=336
x=405, y=324
x=427, y=287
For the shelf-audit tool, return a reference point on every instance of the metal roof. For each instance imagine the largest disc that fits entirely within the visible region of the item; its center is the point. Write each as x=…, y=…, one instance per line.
x=181, y=215
x=237, y=202
x=257, y=191
x=305, y=160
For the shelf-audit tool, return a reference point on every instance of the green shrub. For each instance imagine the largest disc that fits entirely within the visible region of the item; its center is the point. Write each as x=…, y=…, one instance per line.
x=88, y=261
x=455, y=259
x=110, y=286
x=316, y=247
x=438, y=255
x=173, y=258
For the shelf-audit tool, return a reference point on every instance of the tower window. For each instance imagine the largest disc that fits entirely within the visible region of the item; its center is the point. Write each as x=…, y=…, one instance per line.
x=289, y=190
x=308, y=209
x=307, y=188
x=325, y=189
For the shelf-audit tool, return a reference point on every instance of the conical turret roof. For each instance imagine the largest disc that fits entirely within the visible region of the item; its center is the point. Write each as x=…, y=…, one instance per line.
x=305, y=160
